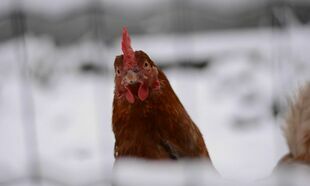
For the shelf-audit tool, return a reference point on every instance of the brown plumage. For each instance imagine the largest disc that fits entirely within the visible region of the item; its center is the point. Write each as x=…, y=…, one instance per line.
x=297, y=129
x=149, y=120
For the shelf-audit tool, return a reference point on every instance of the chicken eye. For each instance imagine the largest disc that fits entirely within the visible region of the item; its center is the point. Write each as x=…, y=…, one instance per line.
x=146, y=65
x=118, y=72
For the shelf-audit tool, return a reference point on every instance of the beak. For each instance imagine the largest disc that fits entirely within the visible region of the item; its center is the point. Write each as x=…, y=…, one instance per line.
x=131, y=77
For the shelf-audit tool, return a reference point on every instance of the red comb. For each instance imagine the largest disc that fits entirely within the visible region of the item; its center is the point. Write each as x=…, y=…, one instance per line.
x=129, y=54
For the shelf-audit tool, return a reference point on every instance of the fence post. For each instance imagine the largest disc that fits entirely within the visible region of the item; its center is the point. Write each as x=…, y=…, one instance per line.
x=18, y=21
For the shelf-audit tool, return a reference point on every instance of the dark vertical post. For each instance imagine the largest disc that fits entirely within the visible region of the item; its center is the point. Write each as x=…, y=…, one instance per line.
x=28, y=112
x=279, y=22
x=100, y=38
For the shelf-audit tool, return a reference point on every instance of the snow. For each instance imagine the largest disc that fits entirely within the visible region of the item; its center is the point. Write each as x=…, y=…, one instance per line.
x=231, y=101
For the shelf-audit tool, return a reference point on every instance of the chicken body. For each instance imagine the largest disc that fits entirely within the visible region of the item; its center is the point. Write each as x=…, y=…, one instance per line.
x=157, y=127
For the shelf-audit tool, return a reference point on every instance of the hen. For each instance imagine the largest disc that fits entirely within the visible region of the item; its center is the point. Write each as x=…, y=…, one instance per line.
x=148, y=119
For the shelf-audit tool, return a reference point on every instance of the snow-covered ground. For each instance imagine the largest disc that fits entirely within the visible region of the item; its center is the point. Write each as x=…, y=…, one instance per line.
x=231, y=100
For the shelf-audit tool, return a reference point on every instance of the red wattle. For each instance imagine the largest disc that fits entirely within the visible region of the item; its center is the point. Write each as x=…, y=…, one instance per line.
x=129, y=96
x=143, y=92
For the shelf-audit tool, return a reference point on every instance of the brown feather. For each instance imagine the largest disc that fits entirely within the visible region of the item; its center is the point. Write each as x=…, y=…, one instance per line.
x=297, y=129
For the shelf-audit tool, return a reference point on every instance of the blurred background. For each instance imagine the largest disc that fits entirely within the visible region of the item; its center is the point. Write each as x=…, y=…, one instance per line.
x=233, y=63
